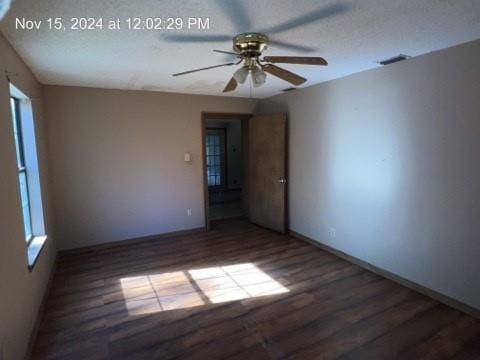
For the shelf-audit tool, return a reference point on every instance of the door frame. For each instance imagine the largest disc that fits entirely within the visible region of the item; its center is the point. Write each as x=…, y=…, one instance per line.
x=243, y=117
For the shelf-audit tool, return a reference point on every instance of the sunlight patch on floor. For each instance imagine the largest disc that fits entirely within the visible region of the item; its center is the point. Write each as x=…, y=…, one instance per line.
x=184, y=289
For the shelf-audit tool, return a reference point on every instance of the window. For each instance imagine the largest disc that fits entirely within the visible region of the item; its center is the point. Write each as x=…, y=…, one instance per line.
x=22, y=169
x=215, y=152
x=30, y=198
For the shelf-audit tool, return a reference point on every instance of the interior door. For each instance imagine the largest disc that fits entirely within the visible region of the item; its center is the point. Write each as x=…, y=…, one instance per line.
x=267, y=171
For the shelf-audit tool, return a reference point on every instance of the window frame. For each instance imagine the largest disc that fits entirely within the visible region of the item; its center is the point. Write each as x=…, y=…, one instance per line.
x=21, y=163
x=222, y=135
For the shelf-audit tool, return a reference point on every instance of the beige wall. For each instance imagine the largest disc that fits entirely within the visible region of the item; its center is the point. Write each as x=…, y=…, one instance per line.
x=21, y=291
x=384, y=165
x=117, y=160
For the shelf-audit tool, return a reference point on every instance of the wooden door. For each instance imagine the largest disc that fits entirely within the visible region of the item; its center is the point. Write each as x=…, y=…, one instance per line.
x=267, y=171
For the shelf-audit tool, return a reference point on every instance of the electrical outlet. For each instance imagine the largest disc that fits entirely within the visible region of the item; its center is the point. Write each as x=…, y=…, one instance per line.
x=332, y=233
x=189, y=212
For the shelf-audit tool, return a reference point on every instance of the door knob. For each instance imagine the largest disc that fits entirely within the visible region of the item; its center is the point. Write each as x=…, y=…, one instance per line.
x=282, y=180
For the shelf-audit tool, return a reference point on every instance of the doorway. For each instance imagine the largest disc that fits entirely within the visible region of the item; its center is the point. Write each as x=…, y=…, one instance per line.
x=244, y=166
x=224, y=167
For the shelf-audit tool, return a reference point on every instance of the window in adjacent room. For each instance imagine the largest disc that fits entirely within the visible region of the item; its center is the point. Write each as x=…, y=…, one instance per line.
x=215, y=153
x=28, y=173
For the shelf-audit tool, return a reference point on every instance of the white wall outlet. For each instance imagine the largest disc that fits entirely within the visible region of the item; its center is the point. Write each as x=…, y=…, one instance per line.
x=189, y=212
x=332, y=233
x=187, y=157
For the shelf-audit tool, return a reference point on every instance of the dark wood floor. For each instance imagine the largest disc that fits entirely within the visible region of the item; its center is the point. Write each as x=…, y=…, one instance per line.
x=239, y=292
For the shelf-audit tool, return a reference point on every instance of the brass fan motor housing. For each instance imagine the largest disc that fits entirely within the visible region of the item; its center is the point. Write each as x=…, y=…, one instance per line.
x=250, y=44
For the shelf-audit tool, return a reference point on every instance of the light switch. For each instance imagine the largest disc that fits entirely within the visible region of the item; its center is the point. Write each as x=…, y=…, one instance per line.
x=187, y=157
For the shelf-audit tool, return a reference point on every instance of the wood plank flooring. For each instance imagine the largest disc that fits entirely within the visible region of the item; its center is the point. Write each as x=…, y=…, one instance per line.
x=239, y=292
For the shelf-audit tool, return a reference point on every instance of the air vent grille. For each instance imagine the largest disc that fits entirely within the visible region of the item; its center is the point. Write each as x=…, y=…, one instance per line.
x=288, y=89
x=395, y=59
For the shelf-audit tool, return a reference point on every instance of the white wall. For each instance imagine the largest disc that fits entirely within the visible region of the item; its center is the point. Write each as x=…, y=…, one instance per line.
x=117, y=160
x=21, y=291
x=384, y=165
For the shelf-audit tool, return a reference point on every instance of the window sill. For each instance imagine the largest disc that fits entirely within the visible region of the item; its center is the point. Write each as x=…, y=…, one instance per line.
x=34, y=249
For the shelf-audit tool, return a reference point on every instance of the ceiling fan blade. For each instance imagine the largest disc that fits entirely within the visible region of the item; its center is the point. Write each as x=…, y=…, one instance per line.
x=284, y=74
x=226, y=52
x=196, y=38
x=201, y=69
x=304, y=60
x=290, y=46
x=322, y=13
x=232, y=85
x=236, y=13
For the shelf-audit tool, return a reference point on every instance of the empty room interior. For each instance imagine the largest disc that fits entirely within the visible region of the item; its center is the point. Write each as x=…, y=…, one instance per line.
x=239, y=179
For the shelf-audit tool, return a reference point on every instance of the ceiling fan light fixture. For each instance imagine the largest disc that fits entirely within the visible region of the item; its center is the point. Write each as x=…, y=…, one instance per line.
x=241, y=75
x=248, y=48
x=258, y=77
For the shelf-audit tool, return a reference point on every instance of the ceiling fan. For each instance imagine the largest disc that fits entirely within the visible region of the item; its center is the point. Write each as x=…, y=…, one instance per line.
x=249, y=46
x=248, y=49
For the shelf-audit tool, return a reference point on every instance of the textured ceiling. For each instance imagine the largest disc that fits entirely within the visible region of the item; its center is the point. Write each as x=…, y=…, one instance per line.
x=352, y=35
